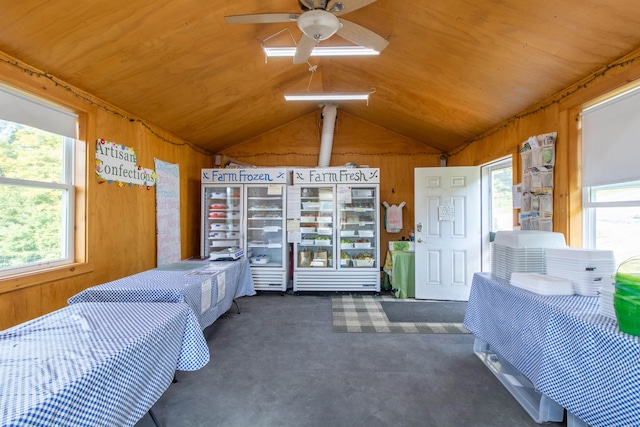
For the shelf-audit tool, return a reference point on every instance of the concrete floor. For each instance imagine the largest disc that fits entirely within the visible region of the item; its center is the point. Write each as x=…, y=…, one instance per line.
x=278, y=363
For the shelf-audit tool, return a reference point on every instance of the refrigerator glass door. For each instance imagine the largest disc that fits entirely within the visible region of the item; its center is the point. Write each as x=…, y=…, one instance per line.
x=223, y=220
x=265, y=226
x=316, y=248
x=358, y=226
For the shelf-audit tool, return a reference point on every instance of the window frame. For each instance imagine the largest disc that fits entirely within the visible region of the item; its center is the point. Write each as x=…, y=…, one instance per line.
x=589, y=207
x=78, y=262
x=486, y=198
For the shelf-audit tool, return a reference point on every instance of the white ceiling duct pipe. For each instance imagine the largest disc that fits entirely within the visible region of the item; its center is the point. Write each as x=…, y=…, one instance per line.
x=329, y=113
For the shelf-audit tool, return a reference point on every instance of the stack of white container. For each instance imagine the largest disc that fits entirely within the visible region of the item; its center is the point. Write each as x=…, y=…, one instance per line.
x=590, y=270
x=541, y=283
x=605, y=300
x=522, y=251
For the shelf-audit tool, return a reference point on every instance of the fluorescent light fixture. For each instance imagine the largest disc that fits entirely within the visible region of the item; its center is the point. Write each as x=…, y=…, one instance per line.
x=327, y=96
x=322, y=51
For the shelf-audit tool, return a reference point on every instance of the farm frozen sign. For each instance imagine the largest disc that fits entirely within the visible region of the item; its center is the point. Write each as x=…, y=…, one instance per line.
x=118, y=163
x=336, y=176
x=244, y=176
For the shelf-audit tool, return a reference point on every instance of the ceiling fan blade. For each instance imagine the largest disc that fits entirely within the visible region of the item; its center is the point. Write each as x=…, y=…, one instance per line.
x=306, y=4
x=262, y=18
x=361, y=36
x=303, y=51
x=348, y=5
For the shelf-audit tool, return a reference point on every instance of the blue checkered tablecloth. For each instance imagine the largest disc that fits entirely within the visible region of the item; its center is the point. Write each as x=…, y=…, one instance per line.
x=562, y=344
x=208, y=287
x=95, y=364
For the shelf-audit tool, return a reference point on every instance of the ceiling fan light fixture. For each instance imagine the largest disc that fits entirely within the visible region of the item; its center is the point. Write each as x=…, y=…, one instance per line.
x=337, y=96
x=318, y=24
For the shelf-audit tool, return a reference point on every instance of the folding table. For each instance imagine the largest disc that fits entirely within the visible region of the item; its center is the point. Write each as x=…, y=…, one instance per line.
x=563, y=346
x=208, y=287
x=95, y=364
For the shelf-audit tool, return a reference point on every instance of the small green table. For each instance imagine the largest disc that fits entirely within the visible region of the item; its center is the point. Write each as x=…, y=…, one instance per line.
x=399, y=268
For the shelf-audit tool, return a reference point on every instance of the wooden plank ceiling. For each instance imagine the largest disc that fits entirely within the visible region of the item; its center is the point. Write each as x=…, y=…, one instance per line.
x=452, y=70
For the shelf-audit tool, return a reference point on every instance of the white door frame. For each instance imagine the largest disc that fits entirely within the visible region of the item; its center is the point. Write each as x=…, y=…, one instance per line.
x=447, y=227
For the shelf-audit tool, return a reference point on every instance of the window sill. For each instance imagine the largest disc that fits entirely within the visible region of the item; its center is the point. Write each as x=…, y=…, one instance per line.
x=25, y=280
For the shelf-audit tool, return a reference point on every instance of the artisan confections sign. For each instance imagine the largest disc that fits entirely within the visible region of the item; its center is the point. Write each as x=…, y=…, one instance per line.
x=118, y=163
x=336, y=176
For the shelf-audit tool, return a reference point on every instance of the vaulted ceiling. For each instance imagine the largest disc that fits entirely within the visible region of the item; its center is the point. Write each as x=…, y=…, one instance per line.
x=452, y=69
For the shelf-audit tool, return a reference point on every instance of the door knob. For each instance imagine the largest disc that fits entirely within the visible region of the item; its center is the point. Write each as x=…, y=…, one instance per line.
x=419, y=239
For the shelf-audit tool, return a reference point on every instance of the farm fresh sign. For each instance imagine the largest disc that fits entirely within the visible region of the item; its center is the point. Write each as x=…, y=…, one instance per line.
x=118, y=163
x=336, y=176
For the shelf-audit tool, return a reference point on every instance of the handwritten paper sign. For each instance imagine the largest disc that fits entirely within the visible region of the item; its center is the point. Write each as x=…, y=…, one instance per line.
x=205, y=296
x=168, y=212
x=222, y=286
x=336, y=176
x=243, y=176
x=118, y=163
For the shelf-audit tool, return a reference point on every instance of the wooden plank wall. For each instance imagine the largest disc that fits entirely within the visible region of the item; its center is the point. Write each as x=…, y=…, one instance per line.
x=355, y=140
x=121, y=234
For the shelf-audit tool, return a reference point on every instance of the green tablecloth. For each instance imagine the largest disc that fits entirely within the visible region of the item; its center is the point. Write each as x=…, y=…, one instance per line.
x=399, y=268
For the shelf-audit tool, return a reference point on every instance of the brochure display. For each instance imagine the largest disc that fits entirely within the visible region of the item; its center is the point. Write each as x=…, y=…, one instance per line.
x=245, y=209
x=538, y=160
x=334, y=225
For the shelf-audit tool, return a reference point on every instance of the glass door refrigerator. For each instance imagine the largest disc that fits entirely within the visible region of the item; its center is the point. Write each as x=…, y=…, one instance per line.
x=245, y=209
x=338, y=244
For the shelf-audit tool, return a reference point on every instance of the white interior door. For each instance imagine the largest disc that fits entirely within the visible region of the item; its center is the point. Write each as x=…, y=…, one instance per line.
x=447, y=231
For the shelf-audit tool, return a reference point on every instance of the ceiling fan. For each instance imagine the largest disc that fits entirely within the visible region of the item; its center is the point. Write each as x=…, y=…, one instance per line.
x=319, y=21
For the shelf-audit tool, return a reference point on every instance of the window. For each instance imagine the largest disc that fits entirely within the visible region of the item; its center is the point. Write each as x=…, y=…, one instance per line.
x=37, y=193
x=500, y=184
x=612, y=219
x=610, y=177
x=497, y=202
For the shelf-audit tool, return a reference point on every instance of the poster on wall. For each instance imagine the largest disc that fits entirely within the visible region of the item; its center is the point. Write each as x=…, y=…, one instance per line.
x=167, y=212
x=117, y=163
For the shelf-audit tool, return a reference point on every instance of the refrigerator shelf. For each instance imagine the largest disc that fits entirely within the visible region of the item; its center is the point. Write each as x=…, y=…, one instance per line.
x=265, y=245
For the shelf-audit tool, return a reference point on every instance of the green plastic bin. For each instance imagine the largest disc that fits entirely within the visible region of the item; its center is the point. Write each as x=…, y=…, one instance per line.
x=627, y=309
